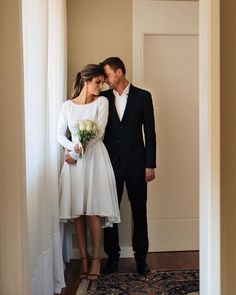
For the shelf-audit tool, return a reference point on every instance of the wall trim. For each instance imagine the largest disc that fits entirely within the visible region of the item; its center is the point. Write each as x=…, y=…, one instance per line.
x=126, y=252
x=209, y=50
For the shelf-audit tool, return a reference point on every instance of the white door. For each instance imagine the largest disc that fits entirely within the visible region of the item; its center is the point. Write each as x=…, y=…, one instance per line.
x=167, y=62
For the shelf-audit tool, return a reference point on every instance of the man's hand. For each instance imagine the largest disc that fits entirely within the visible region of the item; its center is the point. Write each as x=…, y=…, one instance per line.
x=68, y=158
x=150, y=174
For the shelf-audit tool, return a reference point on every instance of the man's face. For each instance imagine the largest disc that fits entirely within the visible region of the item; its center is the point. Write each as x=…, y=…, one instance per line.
x=112, y=76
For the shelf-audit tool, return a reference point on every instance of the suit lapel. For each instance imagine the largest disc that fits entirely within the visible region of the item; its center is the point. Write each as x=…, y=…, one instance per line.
x=128, y=108
x=113, y=108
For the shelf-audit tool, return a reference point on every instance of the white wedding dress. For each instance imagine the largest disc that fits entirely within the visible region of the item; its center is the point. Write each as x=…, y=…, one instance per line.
x=88, y=187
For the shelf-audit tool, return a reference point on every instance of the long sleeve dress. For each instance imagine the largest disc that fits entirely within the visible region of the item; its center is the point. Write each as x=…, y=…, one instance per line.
x=88, y=187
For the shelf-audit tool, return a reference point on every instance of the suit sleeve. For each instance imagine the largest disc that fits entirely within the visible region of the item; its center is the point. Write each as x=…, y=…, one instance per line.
x=149, y=133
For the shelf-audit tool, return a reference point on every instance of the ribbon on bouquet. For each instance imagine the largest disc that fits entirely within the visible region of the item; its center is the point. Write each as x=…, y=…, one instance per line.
x=81, y=153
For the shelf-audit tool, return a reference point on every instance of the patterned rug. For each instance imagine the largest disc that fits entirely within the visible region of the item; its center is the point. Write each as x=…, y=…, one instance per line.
x=155, y=283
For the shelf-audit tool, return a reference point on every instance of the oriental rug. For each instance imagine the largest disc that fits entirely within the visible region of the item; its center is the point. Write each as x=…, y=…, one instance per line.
x=181, y=282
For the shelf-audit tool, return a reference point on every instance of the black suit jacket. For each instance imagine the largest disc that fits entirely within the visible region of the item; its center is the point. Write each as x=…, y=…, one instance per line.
x=124, y=139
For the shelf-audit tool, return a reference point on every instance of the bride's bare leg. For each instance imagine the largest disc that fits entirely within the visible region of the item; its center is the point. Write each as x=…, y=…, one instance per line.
x=81, y=233
x=94, y=223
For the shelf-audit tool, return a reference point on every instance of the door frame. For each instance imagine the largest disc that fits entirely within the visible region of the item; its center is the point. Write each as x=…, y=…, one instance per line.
x=209, y=102
x=209, y=132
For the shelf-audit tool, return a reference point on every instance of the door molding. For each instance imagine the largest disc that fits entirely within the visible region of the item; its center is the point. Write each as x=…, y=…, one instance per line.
x=209, y=115
x=209, y=66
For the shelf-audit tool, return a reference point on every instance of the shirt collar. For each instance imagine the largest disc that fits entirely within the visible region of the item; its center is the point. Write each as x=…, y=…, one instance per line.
x=125, y=91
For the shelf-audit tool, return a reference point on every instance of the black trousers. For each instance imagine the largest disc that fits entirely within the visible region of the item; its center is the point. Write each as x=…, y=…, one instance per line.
x=137, y=193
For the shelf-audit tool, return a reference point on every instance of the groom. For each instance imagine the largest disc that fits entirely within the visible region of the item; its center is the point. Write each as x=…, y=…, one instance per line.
x=130, y=116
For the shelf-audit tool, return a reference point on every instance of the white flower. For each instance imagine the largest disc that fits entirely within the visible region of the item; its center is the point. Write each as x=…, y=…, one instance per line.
x=82, y=125
x=89, y=126
x=94, y=127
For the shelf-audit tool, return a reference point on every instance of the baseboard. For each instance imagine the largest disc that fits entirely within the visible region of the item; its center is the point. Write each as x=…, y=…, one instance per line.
x=126, y=252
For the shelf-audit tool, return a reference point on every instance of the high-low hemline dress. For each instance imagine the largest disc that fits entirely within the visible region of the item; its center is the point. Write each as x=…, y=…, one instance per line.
x=88, y=187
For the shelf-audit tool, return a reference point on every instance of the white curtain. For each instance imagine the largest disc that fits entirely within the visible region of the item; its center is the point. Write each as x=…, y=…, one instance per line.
x=44, y=47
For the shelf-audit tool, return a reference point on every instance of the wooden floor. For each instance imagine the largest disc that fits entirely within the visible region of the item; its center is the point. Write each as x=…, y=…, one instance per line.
x=157, y=261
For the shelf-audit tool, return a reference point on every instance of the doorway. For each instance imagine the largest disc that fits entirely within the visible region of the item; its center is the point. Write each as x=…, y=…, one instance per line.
x=170, y=72
x=148, y=18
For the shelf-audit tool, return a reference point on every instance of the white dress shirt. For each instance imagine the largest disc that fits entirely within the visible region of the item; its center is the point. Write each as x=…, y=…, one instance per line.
x=121, y=101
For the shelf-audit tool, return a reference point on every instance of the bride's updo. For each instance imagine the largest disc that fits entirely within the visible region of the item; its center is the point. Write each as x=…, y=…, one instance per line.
x=89, y=72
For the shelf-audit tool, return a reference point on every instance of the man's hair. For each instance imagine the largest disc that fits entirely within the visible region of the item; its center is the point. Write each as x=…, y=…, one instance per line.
x=115, y=63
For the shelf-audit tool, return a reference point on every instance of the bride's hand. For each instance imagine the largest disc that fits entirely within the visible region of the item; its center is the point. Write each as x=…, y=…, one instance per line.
x=68, y=158
x=78, y=149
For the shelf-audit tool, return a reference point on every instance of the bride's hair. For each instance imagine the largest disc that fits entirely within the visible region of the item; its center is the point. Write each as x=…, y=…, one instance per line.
x=89, y=72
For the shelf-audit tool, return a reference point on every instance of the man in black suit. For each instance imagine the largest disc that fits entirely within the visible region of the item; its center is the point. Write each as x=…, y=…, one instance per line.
x=131, y=116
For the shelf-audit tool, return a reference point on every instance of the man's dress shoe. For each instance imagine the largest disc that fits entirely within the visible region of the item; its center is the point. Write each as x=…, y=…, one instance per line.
x=142, y=268
x=110, y=267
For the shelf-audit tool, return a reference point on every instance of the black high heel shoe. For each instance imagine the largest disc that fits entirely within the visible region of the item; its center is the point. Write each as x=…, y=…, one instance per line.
x=83, y=275
x=94, y=276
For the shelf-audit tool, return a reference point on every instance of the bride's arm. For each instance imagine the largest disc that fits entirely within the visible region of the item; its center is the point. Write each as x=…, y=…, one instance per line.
x=101, y=120
x=102, y=116
x=61, y=134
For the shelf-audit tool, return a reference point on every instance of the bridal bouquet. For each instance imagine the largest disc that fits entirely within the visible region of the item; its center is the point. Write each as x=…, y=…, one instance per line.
x=87, y=130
